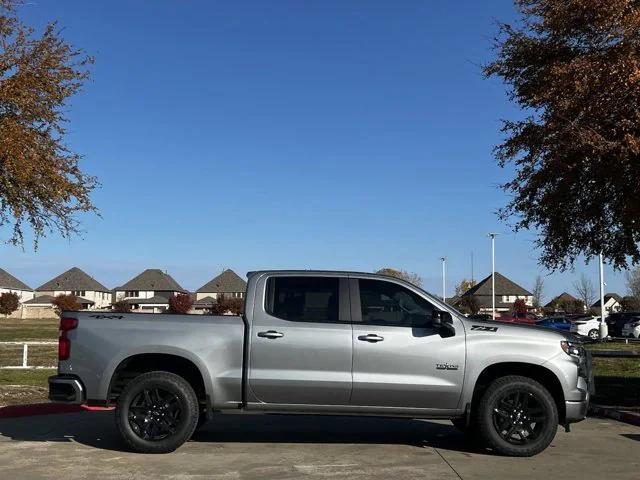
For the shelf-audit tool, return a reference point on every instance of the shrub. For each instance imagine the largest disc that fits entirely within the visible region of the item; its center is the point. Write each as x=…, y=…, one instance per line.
x=180, y=303
x=9, y=303
x=66, y=302
x=224, y=306
x=121, y=306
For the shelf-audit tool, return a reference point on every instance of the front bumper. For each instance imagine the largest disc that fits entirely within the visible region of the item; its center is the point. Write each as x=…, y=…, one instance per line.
x=576, y=411
x=66, y=389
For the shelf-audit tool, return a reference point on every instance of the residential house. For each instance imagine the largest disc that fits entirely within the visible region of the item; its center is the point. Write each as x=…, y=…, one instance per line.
x=565, y=303
x=506, y=293
x=91, y=293
x=10, y=284
x=612, y=304
x=228, y=283
x=149, y=291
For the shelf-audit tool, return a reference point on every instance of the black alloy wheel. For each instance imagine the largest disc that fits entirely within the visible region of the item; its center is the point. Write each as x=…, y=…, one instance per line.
x=519, y=417
x=154, y=414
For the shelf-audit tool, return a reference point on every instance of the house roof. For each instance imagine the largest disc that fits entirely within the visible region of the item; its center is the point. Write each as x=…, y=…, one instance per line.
x=42, y=299
x=504, y=286
x=153, y=279
x=607, y=297
x=73, y=279
x=9, y=281
x=155, y=300
x=204, y=302
x=563, y=297
x=227, y=282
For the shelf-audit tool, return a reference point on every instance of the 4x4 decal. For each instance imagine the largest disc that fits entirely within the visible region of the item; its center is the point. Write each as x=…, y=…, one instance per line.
x=105, y=317
x=484, y=328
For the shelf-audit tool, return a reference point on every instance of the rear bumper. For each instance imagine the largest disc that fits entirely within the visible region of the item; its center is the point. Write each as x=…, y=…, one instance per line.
x=66, y=389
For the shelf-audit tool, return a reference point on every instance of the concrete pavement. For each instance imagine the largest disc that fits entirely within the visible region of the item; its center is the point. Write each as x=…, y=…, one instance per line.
x=86, y=445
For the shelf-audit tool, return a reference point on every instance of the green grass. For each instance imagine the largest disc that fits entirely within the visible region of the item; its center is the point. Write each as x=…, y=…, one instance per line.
x=36, y=378
x=37, y=329
x=613, y=346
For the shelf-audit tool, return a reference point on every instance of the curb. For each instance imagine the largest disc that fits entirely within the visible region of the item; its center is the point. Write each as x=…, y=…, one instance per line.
x=12, y=411
x=631, y=418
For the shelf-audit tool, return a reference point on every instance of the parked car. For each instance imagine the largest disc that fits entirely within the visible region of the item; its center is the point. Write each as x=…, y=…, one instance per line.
x=631, y=329
x=616, y=322
x=557, y=323
x=588, y=327
x=324, y=343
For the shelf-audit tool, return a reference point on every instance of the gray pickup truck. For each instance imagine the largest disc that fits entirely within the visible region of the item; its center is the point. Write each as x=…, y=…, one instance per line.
x=315, y=342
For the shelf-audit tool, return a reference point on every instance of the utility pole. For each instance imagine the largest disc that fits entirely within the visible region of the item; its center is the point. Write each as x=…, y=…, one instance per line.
x=603, y=311
x=493, y=274
x=444, y=276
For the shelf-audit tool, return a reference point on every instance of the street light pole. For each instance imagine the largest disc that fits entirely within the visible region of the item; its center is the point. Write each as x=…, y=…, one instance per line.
x=493, y=275
x=603, y=311
x=444, y=276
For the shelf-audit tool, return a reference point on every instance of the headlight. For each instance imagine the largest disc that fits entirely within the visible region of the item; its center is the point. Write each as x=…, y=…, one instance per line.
x=571, y=348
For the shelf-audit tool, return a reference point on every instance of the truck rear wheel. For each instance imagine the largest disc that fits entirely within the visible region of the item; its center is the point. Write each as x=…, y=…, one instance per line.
x=517, y=416
x=157, y=412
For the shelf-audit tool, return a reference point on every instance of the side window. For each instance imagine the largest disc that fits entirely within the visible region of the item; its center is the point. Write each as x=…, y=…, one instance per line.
x=303, y=299
x=389, y=304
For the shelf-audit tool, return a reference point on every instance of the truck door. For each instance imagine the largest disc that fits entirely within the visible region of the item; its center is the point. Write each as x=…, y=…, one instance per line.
x=300, y=341
x=400, y=359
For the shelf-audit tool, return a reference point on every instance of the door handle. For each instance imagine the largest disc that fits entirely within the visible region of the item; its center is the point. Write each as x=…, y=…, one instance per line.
x=371, y=337
x=270, y=334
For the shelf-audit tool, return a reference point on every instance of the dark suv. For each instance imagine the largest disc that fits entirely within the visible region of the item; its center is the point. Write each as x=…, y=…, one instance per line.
x=616, y=321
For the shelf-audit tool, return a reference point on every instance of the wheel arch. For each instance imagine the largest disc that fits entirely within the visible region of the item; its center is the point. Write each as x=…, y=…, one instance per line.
x=138, y=363
x=539, y=373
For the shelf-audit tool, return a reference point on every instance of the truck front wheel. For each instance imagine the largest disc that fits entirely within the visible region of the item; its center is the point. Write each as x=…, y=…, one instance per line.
x=517, y=416
x=157, y=412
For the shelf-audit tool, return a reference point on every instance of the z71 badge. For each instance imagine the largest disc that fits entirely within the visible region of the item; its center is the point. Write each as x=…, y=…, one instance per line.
x=483, y=328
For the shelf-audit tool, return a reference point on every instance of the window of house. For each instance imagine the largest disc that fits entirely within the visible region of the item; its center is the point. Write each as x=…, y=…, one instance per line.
x=303, y=299
x=390, y=304
x=79, y=293
x=132, y=293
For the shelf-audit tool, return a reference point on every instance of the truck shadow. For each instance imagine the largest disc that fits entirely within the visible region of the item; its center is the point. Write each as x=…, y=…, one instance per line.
x=97, y=429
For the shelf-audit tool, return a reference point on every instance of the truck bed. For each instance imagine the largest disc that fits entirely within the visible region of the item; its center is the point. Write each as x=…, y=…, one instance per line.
x=102, y=341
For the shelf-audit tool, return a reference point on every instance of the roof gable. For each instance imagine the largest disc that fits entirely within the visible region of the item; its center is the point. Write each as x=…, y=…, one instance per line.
x=153, y=279
x=563, y=297
x=9, y=281
x=607, y=297
x=73, y=279
x=227, y=282
x=504, y=286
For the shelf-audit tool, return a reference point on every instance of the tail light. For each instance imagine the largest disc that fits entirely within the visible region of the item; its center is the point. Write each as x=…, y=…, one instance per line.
x=64, y=344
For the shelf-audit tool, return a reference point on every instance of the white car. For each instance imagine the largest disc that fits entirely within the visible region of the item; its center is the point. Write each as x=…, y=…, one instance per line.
x=631, y=329
x=588, y=327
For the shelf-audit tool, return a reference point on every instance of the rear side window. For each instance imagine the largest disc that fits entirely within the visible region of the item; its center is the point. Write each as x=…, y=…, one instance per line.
x=303, y=299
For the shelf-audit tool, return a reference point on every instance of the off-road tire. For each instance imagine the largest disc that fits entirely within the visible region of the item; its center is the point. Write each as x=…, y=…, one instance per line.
x=185, y=397
x=486, y=426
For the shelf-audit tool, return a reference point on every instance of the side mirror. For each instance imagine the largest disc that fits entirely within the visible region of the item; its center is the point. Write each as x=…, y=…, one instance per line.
x=441, y=319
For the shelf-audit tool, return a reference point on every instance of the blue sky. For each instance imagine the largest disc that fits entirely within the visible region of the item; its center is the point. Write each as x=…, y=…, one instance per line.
x=321, y=134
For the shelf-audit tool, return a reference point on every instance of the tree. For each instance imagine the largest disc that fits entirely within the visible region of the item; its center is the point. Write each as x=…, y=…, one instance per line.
x=180, y=303
x=41, y=184
x=227, y=305
x=630, y=304
x=574, y=67
x=520, y=308
x=633, y=282
x=121, y=306
x=9, y=303
x=410, y=277
x=468, y=304
x=538, y=291
x=66, y=303
x=463, y=286
x=584, y=290
x=572, y=306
